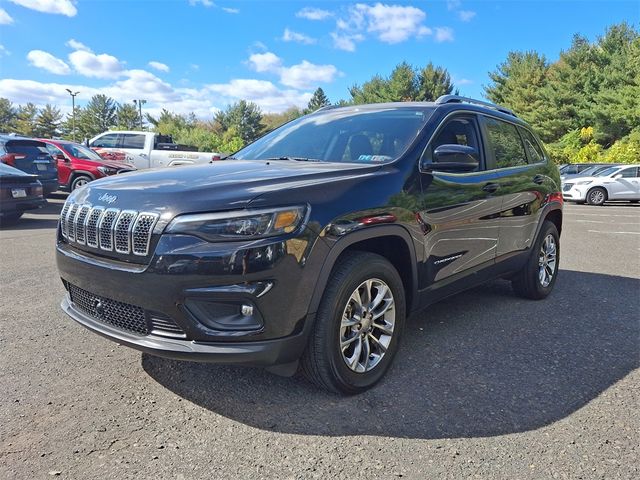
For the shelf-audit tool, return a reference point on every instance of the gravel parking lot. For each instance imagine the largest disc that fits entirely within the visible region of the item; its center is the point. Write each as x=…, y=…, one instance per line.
x=486, y=385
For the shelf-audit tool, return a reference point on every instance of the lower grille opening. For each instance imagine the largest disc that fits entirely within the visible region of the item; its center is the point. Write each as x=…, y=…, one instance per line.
x=123, y=316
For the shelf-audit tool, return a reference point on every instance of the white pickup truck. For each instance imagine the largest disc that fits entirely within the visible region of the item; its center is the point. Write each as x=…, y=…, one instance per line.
x=147, y=149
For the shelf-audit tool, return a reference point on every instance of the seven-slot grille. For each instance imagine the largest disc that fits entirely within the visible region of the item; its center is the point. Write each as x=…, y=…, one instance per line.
x=108, y=229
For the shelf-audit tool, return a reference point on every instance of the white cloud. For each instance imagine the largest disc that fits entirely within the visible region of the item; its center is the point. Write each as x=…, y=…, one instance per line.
x=142, y=84
x=76, y=45
x=311, y=13
x=3, y=51
x=388, y=23
x=264, y=93
x=453, y=4
x=291, y=36
x=233, y=11
x=5, y=18
x=466, y=15
x=462, y=81
x=62, y=7
x=301, y=76
x=265, y=62
x=161, y=67
x=46, y=61
x=206, y=3
x=93, y=65
x=346, y=42
x=444, y=34
x=306, y=75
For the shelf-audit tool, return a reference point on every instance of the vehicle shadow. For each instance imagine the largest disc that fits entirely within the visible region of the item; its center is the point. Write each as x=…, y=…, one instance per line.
x=481, y=363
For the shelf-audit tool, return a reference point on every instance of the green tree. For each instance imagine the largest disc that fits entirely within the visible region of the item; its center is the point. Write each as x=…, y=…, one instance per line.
x=127, y=117
x=98, y=116
x=272, y=121
x=318, y=100
x=26, y=119
x=402, y=85
x=433, y=82
x=7, y=116
x=245, y=117
x=47, y=123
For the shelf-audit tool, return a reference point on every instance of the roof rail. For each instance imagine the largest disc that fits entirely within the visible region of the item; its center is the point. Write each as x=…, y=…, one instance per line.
x=326, y=107
x=458, y=99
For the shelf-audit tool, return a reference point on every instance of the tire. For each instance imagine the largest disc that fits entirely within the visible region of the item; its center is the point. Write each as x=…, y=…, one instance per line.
x=325, y=362
x=80, y=181
x=596, y=196
x=10, y=218
x=530, y=282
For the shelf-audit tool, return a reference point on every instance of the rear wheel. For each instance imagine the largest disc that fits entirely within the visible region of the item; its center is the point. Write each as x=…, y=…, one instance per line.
x=80, y=181
x=596, y=196
x=538, y=276
x=358, y=325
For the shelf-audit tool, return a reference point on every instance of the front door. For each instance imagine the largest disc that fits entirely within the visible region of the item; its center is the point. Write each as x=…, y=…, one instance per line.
x=459, y=211
x=137, y=151
x=624, y=185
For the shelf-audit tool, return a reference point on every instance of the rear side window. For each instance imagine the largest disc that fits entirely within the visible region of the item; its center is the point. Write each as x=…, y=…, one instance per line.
x=628, y=173
x=505, y=143
x=130, y=140
x=106, y=141
x=534, y=152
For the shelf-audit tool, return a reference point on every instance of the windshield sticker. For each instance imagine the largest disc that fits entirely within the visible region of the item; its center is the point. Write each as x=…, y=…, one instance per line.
x=373, y=158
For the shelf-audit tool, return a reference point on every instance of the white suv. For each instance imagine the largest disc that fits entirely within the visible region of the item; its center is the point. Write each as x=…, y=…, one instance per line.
x=614, y=183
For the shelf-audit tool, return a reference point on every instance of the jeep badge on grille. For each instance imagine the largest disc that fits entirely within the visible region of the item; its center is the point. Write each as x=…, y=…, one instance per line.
x=107, y=198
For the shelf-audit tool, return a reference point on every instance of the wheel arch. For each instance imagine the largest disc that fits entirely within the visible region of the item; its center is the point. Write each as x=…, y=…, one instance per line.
x=77, y=173
x=392, y=242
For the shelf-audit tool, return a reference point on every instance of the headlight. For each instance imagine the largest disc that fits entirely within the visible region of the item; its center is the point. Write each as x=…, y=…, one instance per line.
x=586, y=182
x=108, y=170
x=239, y=225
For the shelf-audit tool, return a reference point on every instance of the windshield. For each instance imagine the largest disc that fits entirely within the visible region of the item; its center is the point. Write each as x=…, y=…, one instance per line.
x=82, y=152
x=361, y=135
x=607, y=171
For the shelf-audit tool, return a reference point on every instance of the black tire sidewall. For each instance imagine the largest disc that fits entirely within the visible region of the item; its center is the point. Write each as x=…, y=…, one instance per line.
x=349, y=380
x=79, y=177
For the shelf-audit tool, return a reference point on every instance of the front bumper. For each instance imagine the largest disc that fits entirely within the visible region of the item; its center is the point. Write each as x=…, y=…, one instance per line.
x=575, y=193
x=263, y=353
x=184, y=271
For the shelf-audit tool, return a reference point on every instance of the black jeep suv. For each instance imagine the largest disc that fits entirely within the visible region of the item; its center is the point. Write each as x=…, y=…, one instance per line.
x=312, y=245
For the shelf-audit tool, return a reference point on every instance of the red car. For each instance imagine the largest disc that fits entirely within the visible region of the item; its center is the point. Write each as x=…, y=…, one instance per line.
x=78, y=165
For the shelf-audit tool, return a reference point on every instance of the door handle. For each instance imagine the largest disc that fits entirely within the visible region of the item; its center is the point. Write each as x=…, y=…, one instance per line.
x=539, y=179
x=491, y=187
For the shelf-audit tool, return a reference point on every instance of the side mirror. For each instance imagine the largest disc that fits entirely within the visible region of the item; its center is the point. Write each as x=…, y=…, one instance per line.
x=617, y=176
x=454, y=158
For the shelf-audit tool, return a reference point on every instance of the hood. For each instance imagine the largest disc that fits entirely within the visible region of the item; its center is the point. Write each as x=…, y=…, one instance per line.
x=223, y=185
x=578, y=178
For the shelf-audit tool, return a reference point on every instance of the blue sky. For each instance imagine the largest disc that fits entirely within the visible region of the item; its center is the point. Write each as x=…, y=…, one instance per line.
x=201, y=55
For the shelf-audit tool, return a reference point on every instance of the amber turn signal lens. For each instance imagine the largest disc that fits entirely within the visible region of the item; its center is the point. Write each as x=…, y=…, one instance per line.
x=285, y=219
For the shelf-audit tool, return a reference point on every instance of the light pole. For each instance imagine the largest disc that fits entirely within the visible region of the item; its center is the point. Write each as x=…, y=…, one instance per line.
x=140, y=103
x=73, y=112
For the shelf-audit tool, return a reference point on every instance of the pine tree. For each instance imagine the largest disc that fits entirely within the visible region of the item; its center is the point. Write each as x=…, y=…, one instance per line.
x=47, y=124
x=127, y=117
x=318, y=100
x=7, y=116
x=433, y=82
x=98, y=116
x=26, y=119
x=245, y=117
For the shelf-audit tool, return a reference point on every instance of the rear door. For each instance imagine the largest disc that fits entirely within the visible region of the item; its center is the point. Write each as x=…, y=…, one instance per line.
x=459, y=211
x=624, y=184
x=520, y=168
x=32, y=157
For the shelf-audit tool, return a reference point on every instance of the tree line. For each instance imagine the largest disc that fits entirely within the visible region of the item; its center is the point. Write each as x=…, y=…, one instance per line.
x=585, y=105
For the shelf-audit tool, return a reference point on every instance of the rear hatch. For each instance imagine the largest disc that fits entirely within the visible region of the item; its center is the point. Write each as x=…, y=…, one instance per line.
x=30, y=156
x=16, y=185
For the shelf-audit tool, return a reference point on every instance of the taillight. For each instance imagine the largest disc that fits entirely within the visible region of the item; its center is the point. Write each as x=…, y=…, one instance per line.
x=555, y=197
x=10, y=158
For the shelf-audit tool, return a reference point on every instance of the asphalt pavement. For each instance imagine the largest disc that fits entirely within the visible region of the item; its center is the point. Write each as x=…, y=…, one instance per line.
x=486, y=385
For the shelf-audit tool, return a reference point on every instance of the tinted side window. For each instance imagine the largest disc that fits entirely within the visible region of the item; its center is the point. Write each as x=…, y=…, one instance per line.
x=505, y=143
x=130, y=140
x=107, y=141
x=532, y=147
x=53, y=150
x=628, y=173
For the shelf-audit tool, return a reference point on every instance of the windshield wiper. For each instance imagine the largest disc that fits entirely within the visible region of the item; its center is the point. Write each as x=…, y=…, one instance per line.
x=294, y=159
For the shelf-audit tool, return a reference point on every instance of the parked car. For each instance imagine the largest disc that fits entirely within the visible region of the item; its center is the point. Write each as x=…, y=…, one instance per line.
x=316, y=241
x=614, y=183
x=30, y=156
x=147, y=149
x=79, y=165
x=19, y=191
x=589, y=172
x=576, y=168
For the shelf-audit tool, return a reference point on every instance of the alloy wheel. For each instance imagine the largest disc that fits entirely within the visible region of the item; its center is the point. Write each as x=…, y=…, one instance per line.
x=547, y=260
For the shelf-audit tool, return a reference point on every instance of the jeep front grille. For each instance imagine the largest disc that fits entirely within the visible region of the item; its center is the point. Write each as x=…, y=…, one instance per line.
x=108, y=229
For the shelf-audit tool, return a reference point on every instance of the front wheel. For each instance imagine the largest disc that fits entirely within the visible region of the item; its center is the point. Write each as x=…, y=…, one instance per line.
x=538, y=276
x=596, y=196
x=358, y=325
x=80, y=181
